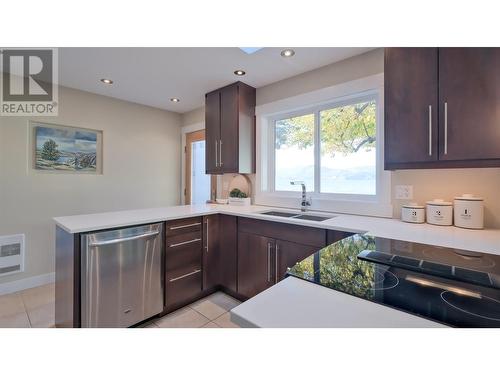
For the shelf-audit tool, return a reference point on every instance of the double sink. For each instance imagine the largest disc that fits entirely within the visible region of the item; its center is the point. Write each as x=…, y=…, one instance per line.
x=294, y=215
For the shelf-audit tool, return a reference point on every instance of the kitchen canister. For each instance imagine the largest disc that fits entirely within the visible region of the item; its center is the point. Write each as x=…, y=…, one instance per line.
x=413, y=213
x=469, y=212
x=439, y=212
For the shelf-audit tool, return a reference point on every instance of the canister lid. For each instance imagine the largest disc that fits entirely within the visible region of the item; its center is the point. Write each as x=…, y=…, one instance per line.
x=413, y=205
x=439, y=202
x=468, y=197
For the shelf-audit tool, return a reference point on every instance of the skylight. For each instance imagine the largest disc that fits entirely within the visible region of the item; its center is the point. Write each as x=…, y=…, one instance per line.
x=250, y=50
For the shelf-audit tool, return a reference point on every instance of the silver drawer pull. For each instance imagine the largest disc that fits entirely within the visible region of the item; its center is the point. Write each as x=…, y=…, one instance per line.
x=184, y=226
x=185, y=242
x=186, y=275
x=125, y=239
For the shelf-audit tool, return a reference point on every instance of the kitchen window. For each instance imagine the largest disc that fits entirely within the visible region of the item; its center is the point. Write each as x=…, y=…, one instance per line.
x=334, y=147
x=333, y=150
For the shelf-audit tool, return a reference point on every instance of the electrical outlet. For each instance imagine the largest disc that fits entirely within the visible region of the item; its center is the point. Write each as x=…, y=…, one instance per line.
x=404, y=192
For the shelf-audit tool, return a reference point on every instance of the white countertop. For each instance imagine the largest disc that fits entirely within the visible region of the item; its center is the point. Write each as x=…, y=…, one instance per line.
x=295, y=303
x=487, y=240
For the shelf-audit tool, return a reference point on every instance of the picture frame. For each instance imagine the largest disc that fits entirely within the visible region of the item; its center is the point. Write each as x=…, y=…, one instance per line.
x=65, y=149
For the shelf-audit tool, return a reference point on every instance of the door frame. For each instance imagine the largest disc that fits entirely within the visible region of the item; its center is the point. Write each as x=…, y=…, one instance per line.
x=185, y=130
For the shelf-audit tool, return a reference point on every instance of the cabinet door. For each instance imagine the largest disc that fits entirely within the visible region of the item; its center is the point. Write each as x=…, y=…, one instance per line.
x=228, y=246
x=229, y=129
x=288, y=254
x=213, y=261
x=410, y=127
x=212, y=132
x=255, y=263
x=469, y=99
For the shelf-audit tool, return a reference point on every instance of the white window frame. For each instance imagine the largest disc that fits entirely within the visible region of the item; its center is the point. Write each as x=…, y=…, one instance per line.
x=368, y=88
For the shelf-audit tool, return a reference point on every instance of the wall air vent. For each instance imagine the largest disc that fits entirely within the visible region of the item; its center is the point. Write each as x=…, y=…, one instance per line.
x=11, y=254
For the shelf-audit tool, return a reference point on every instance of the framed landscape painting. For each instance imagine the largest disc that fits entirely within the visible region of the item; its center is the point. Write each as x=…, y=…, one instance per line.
x=66, y=149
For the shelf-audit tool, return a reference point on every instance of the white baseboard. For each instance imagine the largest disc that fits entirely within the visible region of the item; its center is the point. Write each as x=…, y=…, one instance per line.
x=29, y=282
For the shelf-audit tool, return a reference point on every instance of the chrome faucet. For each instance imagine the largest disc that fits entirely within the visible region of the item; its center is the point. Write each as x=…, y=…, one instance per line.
x=305, y=202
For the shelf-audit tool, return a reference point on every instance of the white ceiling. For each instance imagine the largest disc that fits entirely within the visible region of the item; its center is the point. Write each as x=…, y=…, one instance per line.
x=152, y=76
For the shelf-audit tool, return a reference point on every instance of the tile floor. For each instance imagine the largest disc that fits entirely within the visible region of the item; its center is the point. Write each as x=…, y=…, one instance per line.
x=35, y=308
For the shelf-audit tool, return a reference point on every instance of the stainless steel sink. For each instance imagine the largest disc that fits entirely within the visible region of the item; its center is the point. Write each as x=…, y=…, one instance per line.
x=313, y=217
x=280, y=213
x=294, y=215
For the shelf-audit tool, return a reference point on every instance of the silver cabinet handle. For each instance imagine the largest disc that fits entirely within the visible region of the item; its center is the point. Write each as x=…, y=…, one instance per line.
x=276, y=248
x=220, y=153
x=185, y=242
x=216, y=153
x=206, y=247
x=268, y=262
x=183, y=276
x=184, y=226
x=445, y=128
x=124, y=239
x=430, y=130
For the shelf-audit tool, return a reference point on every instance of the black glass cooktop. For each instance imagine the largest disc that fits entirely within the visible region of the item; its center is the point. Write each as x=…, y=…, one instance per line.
x=454, y=287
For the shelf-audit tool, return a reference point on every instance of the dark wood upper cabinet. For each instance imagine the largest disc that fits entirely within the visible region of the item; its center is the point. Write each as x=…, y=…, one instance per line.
x=469, y=96
x=441, y=107
x=212, y=132
x=411, y=104
x=230, y=129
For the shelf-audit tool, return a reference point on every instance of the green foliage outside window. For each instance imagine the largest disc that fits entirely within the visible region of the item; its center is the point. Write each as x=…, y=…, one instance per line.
x=344, y=129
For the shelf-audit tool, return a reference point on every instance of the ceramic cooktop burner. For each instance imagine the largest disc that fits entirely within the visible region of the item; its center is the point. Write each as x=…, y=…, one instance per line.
x=384, y=280
x=481, y=306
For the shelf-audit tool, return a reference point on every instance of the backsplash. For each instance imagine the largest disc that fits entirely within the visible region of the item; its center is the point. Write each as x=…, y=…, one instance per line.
x=434, y=183
x=449, y=183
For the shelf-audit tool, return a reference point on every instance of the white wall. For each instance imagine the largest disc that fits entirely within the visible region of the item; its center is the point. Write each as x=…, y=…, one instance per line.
x=141, y=168
x=427, y=184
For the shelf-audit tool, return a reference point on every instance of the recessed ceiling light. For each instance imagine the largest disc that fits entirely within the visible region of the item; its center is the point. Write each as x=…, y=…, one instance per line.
x=287, y=52
x=175, y=100
x=106, y=81
x=240, y=72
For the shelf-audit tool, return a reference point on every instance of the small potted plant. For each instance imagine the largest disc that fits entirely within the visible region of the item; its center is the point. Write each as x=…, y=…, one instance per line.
x=238, y=198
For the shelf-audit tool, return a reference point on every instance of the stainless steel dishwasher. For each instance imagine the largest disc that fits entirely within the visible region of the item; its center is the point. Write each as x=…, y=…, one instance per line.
x=121, y=276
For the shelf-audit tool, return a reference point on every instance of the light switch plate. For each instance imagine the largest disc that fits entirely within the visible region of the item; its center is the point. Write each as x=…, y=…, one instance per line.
x=404, y=192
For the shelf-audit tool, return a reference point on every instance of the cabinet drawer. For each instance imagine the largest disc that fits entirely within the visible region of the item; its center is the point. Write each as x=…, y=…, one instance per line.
x=183, y=251
x=181, y=226
x=193, y=239
x=183, y=285
x=289, y=232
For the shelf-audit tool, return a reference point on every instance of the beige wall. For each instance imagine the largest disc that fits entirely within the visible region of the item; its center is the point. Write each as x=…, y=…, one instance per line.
x=356, y=67
x=427, y=184
x=448, y=183
x=196, y=116
x=141, y=165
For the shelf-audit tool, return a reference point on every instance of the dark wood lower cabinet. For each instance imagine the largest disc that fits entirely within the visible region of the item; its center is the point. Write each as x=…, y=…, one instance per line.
x=220, y=252
x=255, y=263
x=228, y=250
x=267, y=249
x=287, y=254
x=183, y=262
x=212, y=257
